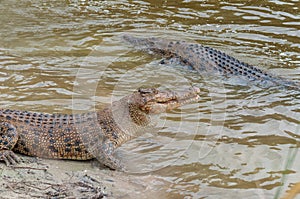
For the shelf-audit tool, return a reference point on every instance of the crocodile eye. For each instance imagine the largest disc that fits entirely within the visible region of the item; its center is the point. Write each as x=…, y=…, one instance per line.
x=146, y=90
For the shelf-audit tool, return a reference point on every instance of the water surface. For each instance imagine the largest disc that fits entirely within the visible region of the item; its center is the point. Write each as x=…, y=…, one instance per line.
x=239, y=140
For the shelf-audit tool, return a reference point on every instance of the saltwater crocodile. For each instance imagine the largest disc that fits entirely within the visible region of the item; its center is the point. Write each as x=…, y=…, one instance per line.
x=207, y=60
x=88, y=135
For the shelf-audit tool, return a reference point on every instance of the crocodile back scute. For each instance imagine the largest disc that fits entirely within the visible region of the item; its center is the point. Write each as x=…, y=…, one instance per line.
x=61, y=136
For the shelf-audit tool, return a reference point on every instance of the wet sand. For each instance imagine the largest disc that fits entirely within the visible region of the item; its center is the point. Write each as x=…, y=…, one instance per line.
x=44, y=178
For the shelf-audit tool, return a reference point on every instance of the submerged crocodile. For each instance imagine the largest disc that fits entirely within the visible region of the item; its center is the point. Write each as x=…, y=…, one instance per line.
x=207, y=60
x=88, y=135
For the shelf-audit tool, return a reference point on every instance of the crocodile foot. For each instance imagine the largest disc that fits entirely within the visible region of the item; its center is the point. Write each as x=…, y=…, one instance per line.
x=9, y=157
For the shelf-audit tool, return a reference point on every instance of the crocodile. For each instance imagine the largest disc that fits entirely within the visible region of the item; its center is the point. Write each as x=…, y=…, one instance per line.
x=207, y=60
x=88, y=135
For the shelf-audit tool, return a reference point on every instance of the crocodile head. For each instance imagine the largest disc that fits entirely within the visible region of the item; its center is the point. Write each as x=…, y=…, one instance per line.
x=131, y=114
x=153, y=101
x=136, y=108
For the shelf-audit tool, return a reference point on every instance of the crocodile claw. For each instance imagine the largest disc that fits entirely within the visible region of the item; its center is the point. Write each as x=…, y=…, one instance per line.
x=9, y=157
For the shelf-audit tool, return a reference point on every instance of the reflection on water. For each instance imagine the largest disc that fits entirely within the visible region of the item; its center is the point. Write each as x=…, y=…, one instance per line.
x=238, y=141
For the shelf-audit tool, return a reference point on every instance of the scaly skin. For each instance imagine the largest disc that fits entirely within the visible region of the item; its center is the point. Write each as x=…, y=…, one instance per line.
x=88, y=135
x=207, y=60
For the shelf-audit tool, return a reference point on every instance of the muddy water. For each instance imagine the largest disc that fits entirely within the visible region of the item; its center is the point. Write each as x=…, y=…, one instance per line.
x=239, y=140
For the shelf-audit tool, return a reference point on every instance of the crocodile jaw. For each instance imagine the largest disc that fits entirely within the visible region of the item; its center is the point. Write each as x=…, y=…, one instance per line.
x=168, y=100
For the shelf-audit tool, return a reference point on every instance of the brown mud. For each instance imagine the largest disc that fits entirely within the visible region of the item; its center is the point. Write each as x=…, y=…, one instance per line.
x=45, y=178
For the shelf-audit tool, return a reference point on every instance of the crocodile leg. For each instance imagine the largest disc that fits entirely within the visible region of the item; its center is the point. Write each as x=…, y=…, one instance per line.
x=107, y=157
x=103, y=151
x=8, y=139
x=104, y=154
